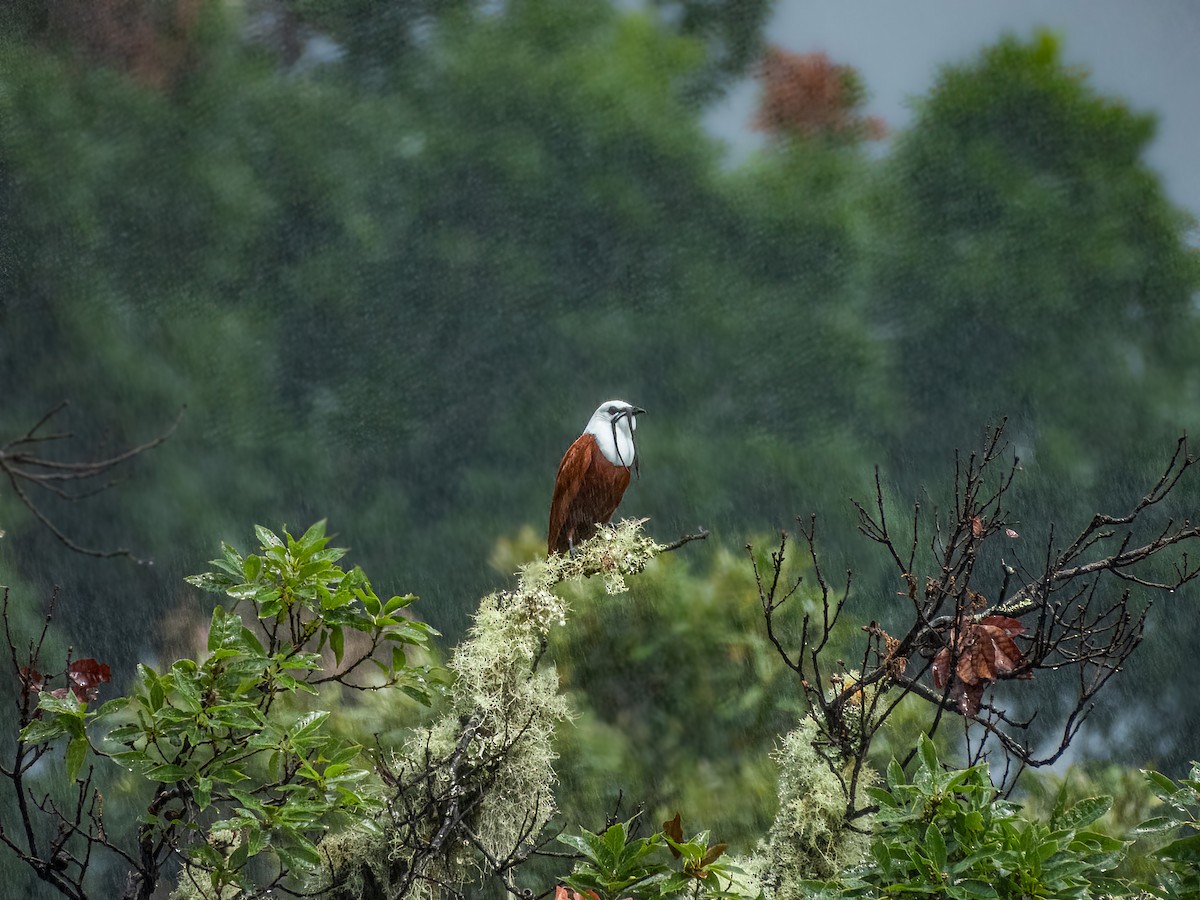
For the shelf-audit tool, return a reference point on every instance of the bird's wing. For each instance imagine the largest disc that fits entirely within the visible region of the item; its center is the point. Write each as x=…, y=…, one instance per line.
x=575, y=463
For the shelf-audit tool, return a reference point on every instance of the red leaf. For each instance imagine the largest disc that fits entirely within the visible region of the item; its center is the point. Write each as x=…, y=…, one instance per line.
x=941, y=666
x=968, y=699
x=1012, y=626
x=32, y=681
x=809, y=95
x=85, y=677
x=674, y=830
x=986, y=653
x=713, y=854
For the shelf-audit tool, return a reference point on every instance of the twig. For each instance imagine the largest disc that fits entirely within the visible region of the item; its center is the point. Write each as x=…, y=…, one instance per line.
x=25, y=467
x=700, y=535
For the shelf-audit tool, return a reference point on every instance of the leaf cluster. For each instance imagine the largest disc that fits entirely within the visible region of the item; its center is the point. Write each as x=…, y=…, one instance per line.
x=303, y=599
x=1179, y=874
x=948, y=833
x=617, y=864
x=238, y=768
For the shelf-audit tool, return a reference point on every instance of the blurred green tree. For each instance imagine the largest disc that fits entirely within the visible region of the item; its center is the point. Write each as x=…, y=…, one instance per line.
x=1028, y=263
x=1031, y=265
x=390, y=255
x=388, y=295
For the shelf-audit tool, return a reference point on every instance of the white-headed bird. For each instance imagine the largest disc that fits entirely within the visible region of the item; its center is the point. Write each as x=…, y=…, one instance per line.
x=593, y=475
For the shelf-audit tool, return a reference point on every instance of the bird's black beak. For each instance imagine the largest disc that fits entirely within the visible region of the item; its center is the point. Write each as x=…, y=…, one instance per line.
x=636, y=411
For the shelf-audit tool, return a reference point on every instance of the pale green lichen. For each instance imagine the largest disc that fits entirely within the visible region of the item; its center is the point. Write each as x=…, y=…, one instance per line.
x=358, y=866
x=194, y=880
x=509, y=759
x=810, y=837
x=614, y=552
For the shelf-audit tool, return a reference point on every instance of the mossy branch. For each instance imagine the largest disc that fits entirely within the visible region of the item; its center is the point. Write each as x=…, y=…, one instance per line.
x=474, y=791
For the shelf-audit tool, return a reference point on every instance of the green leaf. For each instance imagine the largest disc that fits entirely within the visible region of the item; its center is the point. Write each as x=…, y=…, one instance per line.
x=579, y=843
x=300, y=855
x=397, y=603
x=1157, y=825
x=337, y=643
x=251, y=642
x=314, y=534
x=421, y=695
x=247, y=799
x=614, y=839
x=1184, y=850
x=222, y=629
x=212, y=582
x=1162, y=782
x=156, y=695
x=976, y=890
x=187, y=691
x=77, y=749
x=109, y=707
x=308, y=728
x=935, y=844
x=928, y=754
x=167, y=773
x=268, y=538
x=1085, y=812
x=202, y=791
x=125, y=733
x=238, y=857
x=343, y=596
x=398, y=659
x=43, y=731
x=232, y=559
x=66, y=706
x=252, y=567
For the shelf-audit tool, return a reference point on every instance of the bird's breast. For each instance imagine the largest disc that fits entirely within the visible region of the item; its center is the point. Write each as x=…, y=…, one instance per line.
x=615, y=444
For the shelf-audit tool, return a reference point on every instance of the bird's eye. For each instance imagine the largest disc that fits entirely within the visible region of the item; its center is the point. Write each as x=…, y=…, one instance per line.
x=612, y=410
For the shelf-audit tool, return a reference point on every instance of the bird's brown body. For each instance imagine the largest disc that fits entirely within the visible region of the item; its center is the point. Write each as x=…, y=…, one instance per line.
x=587, y=492
x=593, y=475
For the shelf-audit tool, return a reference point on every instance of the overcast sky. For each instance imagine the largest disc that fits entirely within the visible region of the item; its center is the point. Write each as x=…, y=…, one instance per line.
x=1146, y=51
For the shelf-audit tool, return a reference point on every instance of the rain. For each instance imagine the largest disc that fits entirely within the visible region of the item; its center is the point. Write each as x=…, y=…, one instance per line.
x=275, y=263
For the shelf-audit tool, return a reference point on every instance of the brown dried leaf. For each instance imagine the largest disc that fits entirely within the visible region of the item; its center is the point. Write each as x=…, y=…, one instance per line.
x=565, y=893
x=32, y=681
x=673, y=828
x=968, y=699
x=986, y=653
x=941, y=665
x=1009, y=624
x=713, y=854
x=85, y=677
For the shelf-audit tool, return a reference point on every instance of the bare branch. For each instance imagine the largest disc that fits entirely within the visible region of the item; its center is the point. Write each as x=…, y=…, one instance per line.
x=25, y=467
x=700, y=535
x=1072, y=615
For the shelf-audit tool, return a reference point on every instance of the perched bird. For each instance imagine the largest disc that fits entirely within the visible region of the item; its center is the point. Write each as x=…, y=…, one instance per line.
x=593, y=475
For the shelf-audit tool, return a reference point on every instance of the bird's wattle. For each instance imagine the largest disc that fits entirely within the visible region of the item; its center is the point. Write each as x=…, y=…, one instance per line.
x=615, y=439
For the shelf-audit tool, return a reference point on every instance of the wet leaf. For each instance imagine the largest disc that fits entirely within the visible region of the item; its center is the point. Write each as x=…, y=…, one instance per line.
x=986, y=653
x=674, y=830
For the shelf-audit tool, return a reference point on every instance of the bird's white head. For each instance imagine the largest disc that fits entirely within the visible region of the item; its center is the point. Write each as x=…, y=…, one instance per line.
x=612, y=425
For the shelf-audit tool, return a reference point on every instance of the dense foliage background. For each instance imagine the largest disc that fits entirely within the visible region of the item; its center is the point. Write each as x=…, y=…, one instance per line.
x=390, y=256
